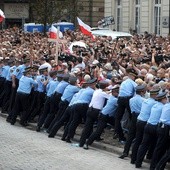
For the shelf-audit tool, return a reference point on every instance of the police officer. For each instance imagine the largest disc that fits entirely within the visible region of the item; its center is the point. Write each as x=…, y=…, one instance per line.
x=16, y=75
x=21, y=100
x=126, y=91
x=42, y=81
x=69, y=91
x=150, y=132
x=66, y=117
x=96, y=105
x=142, y=120
x=56, y=97
x=7, y=86
x=80, y=109
x=163, y=141
x=106, y=116
x=51, y=86
x=135, y=107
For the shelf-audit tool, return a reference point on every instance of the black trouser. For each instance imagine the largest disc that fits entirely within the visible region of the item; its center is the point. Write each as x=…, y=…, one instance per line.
x=2, y=81
x=45, y=112
x=139, y=136
x=62, y=107
x=80, y=111
x=102, y=123
x=161, y=145
x=123, y=103
x=149, y=139
x=21, y=104
x=2, y=85
x=7, y=93
x=33, y=103
x=12, y=97
x=39, y=106
x=64, y=119
x=55, y=99
x=92, y=116
x=131, y=134
x=162, y=163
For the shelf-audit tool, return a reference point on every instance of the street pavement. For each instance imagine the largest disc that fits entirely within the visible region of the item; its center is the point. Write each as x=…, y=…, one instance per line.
x=24, y=149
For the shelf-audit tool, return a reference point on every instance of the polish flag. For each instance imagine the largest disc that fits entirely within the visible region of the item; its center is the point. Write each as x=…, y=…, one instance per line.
x=2, y=16
x=53, y=32
x=85, y=29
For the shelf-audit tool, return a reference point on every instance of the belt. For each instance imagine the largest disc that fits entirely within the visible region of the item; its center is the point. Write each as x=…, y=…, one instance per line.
x=162, y=125
x=125, y=97
x=22, y=93
x=151, y=124
x=95, y=109
x=141, y=121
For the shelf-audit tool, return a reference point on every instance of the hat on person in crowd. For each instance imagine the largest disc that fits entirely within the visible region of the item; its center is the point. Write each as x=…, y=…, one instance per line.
x=108, y=67
x=53, y=73
x=72, y=80
x=154, y=91
x=66, y=77
x=60, y=71
x=27, y=70
x=140, y=87
x=91, y=81
x=35, y=67
x=154, y=68
x=103, y=84
x=77, y=71
x=26, y=60
x=43, y=69
x=59, y=75
x=161, y=95
x=132, y=72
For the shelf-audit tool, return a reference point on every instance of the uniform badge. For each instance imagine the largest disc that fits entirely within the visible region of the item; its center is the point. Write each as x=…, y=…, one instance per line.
x=17, y=70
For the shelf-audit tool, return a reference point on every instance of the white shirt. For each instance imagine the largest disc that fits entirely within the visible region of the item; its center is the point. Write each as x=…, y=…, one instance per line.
x=98, y=99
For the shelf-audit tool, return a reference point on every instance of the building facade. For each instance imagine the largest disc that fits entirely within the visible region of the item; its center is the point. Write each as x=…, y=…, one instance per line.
x=140, y=15
x=18, y=12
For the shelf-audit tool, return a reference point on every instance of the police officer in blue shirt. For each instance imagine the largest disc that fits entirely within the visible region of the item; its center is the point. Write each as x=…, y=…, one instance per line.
x=42, y=81
x=80, y=108
x=66, y=117
x=68, y=93
x=22, y=98
x=135, y=107
x=150, y=132
x=126, y=91
x=55, y=99
x=8, y=86
x=4, y=72
x=51, y=86
x=16, y=75
x=163, y=141
x=106, y=116
x=142, y=120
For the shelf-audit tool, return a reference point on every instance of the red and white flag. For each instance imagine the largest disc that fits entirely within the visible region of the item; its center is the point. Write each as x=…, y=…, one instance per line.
x=54, y=33
x=85, y=29
x=2, y=16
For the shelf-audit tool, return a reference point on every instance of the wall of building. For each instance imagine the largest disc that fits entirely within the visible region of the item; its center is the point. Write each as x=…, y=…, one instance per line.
x=146, y=15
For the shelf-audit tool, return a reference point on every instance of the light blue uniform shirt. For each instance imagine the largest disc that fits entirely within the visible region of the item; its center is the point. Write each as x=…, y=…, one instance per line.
x=25, y=84
x=111, y=106
x=69, y=91
x=127, y=88
x=19, y=71
x=40, y=80
x=61, y=87
x=155, y=113
x=5, y=70
x=86, y=95
x=135, y=104
x=165, y=116
x=51, y=86
x=146, y=109
x=10, y=72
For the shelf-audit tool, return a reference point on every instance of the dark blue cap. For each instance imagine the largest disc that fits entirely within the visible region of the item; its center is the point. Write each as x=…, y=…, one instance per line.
x=161, y=95
x=140, y=87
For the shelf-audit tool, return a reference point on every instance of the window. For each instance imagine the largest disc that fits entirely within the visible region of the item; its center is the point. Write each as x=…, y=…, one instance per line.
x=157, y=17
x=119, y=9
x=137, y=16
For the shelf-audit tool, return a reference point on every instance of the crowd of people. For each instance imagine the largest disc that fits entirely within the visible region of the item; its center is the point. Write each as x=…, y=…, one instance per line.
x=93, y=84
